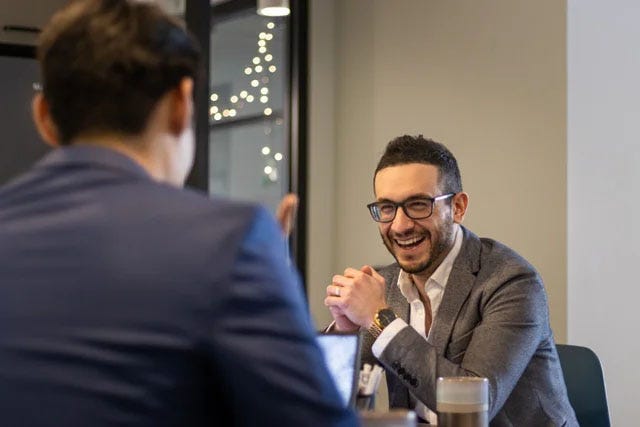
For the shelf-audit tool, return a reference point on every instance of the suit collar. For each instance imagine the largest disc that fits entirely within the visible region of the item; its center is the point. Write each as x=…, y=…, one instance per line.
x=85, y=155
x=462, y=279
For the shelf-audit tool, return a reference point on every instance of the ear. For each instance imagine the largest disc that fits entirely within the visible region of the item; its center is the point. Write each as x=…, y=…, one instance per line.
x=43, y=121
x=182, y=106
x=459, y=206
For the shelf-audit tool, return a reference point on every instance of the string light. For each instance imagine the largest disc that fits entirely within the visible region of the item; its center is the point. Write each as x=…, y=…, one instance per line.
x=251, y=93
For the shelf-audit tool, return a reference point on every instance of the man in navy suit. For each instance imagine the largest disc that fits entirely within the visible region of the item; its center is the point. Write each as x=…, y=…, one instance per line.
x=125, y=300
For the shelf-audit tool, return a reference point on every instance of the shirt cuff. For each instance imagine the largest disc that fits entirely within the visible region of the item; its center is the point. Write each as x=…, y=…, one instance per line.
x=329, y=328
x=387, y=335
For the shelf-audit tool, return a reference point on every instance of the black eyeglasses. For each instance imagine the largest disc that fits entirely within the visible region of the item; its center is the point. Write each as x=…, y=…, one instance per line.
x=414, y=208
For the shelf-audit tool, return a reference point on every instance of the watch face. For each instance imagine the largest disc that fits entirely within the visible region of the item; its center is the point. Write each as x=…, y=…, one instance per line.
x=386, y=316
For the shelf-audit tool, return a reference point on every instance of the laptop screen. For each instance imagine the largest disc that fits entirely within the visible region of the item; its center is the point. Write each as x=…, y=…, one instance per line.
x=342, y=356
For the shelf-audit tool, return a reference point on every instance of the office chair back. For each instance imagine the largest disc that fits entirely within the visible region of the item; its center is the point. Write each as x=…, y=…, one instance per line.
x=585, y=385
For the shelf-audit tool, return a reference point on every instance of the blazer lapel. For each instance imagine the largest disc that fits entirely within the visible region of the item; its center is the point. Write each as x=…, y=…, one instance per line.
x=459, y=285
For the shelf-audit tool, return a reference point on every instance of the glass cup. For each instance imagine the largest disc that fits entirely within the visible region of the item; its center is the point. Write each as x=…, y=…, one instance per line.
x=462, y=401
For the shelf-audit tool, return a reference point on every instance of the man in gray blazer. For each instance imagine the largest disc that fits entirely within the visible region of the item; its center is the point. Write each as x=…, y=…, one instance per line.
x=453, y=304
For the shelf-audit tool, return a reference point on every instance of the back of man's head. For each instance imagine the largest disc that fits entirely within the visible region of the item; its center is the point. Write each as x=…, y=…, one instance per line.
x=106, y=63
x=408, y=149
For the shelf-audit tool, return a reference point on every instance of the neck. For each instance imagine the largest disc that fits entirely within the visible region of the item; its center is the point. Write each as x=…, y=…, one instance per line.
x=135, y=147
x=419, y=279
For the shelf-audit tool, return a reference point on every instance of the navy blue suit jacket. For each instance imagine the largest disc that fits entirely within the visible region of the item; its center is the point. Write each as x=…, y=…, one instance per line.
x=124, y=301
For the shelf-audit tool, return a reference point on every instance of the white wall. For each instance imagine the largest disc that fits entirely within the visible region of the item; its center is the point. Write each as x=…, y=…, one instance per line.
x=603, y=191
x=487, y=78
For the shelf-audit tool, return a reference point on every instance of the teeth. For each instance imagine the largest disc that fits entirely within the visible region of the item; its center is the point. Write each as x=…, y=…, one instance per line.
x=408, y=242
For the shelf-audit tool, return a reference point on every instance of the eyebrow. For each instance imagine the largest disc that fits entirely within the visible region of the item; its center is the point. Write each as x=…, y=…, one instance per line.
x=412, y=197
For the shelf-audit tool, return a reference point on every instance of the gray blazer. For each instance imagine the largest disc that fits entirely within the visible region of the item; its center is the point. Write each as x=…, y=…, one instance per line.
x=493, y=322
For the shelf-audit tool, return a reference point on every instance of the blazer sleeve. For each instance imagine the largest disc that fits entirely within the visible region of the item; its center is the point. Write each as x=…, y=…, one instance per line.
x=263, y=344
x=512, y=321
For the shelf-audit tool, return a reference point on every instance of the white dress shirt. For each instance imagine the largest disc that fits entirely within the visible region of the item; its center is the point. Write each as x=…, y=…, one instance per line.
x=434, y=288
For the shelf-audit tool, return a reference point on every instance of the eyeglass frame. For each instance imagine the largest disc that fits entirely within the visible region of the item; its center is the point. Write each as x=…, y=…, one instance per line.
x=433, y=200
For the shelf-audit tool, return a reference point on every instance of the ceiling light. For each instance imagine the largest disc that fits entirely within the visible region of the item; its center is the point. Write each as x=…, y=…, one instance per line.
x=273, y=7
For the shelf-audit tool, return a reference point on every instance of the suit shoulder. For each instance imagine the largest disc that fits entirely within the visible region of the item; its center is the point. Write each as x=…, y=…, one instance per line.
x=196, y=202
x=503, y=260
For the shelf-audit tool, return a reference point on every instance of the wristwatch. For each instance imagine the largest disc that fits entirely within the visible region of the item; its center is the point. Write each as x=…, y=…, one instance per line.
x=381, y=320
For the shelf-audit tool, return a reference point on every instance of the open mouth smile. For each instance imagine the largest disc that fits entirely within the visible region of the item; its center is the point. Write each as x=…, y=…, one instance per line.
x=410, y=242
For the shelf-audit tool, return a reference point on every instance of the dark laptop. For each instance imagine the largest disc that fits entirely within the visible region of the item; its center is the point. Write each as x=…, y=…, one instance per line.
x=342, y=356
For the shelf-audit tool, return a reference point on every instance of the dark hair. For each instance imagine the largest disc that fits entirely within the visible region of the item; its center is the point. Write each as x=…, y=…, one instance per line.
x=106, y=63
x=417, y=149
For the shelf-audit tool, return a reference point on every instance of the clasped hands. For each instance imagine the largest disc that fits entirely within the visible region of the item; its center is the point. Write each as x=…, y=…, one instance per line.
x=354, y=297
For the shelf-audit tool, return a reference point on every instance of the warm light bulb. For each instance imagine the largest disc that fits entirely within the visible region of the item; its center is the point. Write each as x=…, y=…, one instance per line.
x=268, y=111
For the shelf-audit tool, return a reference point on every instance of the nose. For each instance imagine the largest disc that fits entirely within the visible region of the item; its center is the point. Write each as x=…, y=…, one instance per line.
x=401, y=223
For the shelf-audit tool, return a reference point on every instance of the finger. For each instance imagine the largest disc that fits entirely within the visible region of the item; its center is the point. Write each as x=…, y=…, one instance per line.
x=286, y=212
x=334, y=291
x=341, y=280
x=332, y=301
x=351, y=272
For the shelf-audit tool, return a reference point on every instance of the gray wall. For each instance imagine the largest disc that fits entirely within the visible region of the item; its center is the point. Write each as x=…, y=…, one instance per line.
x=603, y=189
x=487, y=78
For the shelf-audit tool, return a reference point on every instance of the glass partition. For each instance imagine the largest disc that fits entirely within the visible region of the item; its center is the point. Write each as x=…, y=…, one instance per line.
x=248, y=142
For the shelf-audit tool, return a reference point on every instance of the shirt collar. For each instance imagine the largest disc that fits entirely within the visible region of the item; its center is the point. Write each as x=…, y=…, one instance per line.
x=440, y=276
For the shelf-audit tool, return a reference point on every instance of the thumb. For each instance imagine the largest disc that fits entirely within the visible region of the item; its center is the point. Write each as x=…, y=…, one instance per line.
x=370, y=271
x=367, y=269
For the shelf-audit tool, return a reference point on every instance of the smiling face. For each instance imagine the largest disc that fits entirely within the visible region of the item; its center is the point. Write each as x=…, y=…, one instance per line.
x=418, y=246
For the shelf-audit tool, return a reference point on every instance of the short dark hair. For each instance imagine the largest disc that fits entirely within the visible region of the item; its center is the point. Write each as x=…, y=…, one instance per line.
x=106, y=63
x=407, y=149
